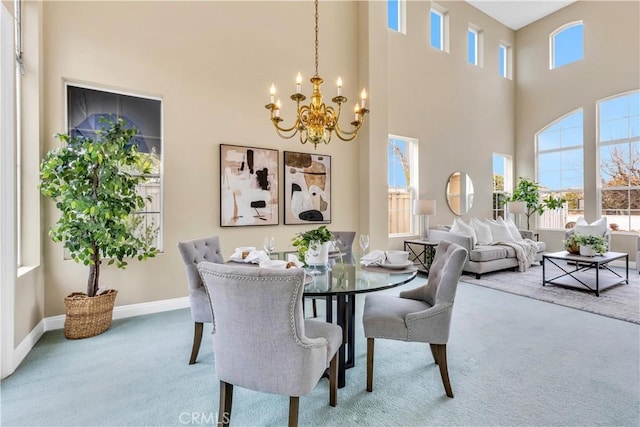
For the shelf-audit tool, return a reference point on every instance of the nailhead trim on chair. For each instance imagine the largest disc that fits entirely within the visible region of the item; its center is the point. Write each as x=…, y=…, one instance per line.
x=292, y=302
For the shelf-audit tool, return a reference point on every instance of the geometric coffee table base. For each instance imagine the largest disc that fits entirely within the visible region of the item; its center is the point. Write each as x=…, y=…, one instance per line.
x=586, y=270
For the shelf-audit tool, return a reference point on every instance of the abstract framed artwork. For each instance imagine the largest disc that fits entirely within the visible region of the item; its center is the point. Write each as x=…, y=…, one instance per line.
x=248, y=186
x=307, y=188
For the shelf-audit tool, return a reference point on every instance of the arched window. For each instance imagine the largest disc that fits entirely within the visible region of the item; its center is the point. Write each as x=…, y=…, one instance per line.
x=560, y=168
x=566, y=45
x=619, y=153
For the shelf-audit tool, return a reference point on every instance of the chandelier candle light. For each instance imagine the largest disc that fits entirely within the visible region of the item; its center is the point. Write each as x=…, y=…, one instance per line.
x=316, y=122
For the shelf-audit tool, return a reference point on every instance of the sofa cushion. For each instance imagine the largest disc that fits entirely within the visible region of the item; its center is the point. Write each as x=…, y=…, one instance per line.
x=461, y=227
x=483, y=253
x=483, y=232
x=513, y=228
x=499, y=231
x=596, y=228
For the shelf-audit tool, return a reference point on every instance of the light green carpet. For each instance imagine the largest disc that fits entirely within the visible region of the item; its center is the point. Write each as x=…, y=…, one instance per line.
x=513, y=361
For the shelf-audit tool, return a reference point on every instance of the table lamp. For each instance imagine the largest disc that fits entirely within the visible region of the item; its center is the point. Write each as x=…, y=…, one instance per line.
x=517, y=208
x=424, y=208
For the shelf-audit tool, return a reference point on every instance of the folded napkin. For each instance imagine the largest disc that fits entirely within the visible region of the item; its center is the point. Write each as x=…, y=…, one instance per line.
x=294, y=259
x=373, y=258
x=254, y=257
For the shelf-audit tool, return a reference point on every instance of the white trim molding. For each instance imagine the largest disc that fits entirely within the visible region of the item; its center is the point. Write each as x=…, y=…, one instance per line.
x=8, y=242
x=122, y=312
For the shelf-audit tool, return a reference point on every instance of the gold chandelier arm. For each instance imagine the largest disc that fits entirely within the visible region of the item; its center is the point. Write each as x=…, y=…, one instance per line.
x=347, y=135
x=280, y=129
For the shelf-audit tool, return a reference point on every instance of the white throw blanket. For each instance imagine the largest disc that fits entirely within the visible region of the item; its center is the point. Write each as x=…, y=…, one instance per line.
x=526, y=251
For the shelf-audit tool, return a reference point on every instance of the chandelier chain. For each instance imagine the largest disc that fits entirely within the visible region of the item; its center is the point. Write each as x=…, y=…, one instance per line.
x=316, y=123
x=317, y=44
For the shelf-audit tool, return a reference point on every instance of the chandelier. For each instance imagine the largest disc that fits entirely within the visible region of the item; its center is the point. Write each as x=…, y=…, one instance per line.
x=316, y=122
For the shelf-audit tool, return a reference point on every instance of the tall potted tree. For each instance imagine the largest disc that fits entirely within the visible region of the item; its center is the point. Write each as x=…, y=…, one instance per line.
x=528, y=191
x=93, y=183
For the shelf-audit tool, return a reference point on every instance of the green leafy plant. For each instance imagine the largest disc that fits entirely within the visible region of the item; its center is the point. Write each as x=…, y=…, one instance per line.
x=571, y=243
x=93, y=183
x=598, y=243
x=301, y=240
x=528, y=191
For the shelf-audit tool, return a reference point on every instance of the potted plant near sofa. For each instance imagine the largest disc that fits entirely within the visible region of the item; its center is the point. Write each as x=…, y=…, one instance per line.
x=590, y=244
x=528, y=191
x=93, y=183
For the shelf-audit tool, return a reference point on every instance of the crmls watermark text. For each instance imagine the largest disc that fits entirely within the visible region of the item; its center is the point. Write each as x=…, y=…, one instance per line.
x=201, y=418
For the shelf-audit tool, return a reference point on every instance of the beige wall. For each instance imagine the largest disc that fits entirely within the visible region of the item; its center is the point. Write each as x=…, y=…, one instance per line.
x=460, y=113
x=212, y=64
x=611, y=65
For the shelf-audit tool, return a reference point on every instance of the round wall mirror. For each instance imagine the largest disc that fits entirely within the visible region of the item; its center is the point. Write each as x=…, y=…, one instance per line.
x=459, y=193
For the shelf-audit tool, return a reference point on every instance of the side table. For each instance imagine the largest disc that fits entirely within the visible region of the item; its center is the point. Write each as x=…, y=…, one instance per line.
x=421, y=252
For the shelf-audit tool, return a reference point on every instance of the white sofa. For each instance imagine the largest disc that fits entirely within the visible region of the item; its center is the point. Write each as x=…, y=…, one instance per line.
x=486, y=258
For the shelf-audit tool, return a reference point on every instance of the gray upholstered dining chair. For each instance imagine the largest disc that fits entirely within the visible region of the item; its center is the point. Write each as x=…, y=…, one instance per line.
x=262, y=341
x=344, y=241
x=193, y=252
x=422, y=314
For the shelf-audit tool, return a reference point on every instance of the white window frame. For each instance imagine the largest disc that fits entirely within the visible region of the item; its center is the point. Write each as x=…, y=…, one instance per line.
x=412, y=189
x=443, y=13
x=599, y=144
x=552, y=43
x=507, y=69
x=556, y=191
x=478, y=45
x=507, y=165
x=160, y=224
x=402, y=17
x=8, y=187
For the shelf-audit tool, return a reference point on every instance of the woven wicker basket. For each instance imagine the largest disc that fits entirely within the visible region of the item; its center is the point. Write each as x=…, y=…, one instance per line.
x=88, y=316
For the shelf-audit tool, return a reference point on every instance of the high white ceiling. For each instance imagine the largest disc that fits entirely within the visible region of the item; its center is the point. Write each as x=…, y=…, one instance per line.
x=516, y=14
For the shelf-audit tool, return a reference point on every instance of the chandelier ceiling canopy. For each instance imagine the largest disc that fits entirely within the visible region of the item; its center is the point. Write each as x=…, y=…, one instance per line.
x=316, y=122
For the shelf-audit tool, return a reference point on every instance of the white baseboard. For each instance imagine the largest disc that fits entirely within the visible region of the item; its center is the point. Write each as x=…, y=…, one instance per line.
x=125, y=311
x=120, y=312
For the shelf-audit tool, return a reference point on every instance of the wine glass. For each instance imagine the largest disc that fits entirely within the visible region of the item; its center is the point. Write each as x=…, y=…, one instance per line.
x=364, y=242
x=269, y=245
x=314, y=249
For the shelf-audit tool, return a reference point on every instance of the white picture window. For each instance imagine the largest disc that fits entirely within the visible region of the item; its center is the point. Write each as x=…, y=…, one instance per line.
x=439, y=27
x=396, y=15
x=560, y=168
x=619, y=153
x=85, y=108
x=402, y=179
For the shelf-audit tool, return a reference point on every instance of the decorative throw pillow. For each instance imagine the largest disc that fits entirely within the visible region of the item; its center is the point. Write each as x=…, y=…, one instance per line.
x=513, y=228
x=596, y=228
x=499, y=231
x=461, y=227
x=483, y=232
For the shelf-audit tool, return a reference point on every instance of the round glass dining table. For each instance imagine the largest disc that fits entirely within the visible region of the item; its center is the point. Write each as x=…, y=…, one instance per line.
x=342, y=281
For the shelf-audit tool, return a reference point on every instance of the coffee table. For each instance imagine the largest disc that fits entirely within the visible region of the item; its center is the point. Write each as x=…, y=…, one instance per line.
x=585, y=271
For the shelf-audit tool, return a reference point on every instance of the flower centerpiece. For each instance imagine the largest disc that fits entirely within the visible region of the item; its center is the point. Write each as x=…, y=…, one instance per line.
x=301, y=242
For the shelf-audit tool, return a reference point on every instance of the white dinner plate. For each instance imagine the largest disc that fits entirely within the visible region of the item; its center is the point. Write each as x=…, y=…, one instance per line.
x=398, y=266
